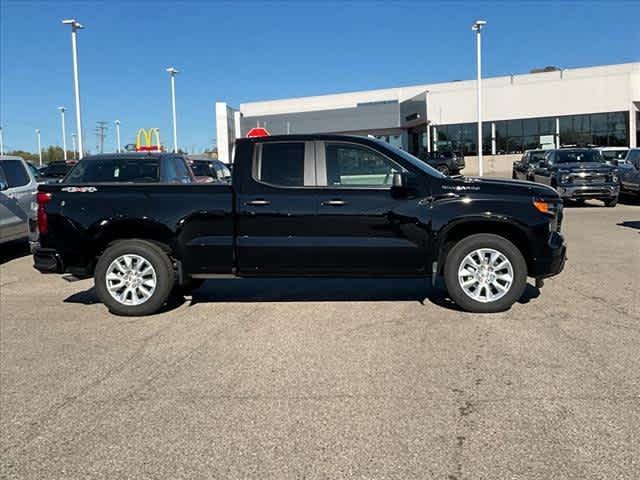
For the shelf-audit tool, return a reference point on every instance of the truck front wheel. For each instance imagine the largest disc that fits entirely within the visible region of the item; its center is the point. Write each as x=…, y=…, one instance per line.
x=485, y=273
x=134, y=278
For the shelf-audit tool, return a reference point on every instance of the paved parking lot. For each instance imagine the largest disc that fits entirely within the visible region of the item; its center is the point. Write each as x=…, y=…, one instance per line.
x=306, y=378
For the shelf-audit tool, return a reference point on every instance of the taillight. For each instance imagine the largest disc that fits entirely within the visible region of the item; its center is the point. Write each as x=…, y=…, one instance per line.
x=42, y=198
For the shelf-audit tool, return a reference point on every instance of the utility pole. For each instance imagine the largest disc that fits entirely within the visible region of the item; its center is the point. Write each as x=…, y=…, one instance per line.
x=73, y=142
x=64, y=133
x=39, y=145
x=75, y=26
x=477, y=27
x=172, y=71
x=101, y=129
x=117, y=122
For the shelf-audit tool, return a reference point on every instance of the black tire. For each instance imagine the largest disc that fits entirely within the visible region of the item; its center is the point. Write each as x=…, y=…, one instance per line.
x=443, y=169
x=484, y=240
x=610, y=203
x=165, y=277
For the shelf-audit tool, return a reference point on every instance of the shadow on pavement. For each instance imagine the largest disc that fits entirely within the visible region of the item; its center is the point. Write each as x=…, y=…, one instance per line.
x=89, y=297
x=305, y=289
x=12, y=250
x=630, y=224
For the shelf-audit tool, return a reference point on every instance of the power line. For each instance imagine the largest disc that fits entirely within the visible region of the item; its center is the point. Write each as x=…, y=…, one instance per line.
x=101, y=129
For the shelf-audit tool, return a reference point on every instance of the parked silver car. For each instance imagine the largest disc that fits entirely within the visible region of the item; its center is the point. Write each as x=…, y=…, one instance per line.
x=18, y=187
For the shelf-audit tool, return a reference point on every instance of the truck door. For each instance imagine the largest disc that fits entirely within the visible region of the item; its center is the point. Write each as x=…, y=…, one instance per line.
x=15, y=200
x=276, y=209
x=362, y=228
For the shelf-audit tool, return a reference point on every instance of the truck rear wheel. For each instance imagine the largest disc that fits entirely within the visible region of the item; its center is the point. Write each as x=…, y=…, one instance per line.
x=134, y=278
x=485, y=273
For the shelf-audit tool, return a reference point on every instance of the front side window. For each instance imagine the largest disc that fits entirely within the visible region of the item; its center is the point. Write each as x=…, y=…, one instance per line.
x=15, y=172
x=634, y=158
x=355, y=166
x=280, y=164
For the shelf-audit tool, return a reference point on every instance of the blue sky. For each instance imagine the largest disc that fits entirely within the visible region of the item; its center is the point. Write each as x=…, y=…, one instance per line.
x=246, y=51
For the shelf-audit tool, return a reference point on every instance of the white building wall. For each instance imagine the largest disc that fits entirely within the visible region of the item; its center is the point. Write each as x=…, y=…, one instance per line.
x=566, y=92
x=225, y=131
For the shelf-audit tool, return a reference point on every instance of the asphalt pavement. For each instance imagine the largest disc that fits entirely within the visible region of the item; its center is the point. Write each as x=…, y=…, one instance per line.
x=330, y=378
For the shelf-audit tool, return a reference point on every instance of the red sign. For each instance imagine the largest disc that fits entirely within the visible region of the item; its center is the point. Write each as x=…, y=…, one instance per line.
x=258, y=132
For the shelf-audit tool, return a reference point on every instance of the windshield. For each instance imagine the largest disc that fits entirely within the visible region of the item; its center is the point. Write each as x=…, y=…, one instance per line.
x=106, y=170
x=614, y=154
x=579, y=156
x=419, y=164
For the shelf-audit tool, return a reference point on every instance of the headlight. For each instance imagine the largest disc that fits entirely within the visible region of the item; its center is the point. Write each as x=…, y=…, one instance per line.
x=565, y=176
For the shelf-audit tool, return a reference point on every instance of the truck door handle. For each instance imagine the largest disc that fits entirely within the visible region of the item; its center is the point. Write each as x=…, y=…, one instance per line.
x=258, y=202
x=334, y=203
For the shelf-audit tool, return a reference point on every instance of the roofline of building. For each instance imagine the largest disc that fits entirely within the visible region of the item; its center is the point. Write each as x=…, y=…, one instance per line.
x=488, y=82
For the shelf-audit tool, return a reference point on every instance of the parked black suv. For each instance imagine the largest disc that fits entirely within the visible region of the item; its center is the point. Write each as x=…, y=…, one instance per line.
x=579, y=174
x=448, y=163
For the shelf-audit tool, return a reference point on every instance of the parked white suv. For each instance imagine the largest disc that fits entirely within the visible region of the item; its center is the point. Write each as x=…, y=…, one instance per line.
x=18, y=187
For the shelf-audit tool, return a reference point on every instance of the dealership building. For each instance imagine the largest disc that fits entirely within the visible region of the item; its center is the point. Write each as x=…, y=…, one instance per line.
x=554, y=107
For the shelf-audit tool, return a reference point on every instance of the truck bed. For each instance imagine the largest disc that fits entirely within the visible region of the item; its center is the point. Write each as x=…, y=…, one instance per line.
x=195, y=220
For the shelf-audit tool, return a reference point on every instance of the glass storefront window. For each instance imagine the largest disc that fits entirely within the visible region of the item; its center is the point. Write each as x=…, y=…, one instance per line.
x=515, y=136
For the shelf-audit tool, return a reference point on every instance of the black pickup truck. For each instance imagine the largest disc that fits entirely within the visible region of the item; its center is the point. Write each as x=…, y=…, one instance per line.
x=578, y=174
x=303, y=205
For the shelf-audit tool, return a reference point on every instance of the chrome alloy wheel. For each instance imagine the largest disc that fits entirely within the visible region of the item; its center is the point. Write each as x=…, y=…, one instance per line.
x=485, y=275
x=131, y=279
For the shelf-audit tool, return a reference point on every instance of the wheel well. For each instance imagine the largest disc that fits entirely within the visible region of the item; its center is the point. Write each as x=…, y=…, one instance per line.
x=505, y=230
x=149, y=233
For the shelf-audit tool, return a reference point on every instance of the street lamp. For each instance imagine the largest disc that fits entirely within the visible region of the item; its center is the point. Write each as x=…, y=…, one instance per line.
x=117, y=122
x=73, y=143
x=172, y=71
x=39, y=146
x=477, y=27
x=75, y=26
x=64, y=133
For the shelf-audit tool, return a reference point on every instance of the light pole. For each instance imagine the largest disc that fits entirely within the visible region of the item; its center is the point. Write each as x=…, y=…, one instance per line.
x=64, y=133
x=172, y=71
x=477, y=27
x=75, y=26
x=73, y=143
x=39, y=146
x=117, y=122
x=1, y=143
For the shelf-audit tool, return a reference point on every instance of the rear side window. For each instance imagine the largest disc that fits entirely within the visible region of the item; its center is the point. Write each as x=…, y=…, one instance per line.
x=127, y=170
x=280, y=164
x=15, y=173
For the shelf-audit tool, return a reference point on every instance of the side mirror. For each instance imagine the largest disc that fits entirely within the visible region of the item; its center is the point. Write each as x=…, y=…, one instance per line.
x=399, y=188
x=3, y=184
x=397, y=180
